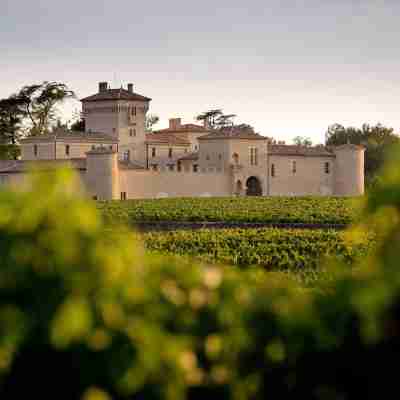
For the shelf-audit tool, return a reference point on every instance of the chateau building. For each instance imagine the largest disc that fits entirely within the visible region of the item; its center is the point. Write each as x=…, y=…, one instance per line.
x=117, y=159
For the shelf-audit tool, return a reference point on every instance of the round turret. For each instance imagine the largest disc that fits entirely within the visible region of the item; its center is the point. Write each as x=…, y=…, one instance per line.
x=102, y=174
x=349, y=170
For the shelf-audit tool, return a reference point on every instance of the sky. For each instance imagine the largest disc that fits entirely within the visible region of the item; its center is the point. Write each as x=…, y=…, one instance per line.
x=287, y=67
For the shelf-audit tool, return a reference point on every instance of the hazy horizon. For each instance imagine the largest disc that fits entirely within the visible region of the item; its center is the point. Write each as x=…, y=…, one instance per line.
x=288, y=68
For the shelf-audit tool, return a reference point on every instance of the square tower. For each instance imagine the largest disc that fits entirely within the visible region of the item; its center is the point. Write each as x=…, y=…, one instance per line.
x=120, y=113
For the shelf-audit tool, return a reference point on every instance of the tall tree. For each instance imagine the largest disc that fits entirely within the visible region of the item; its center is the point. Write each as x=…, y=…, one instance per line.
x=302, y=141
x=40, y=104
x=377, y=139
x=150, y=121
x=210, y=117
x=216, y=119
x=11, y=118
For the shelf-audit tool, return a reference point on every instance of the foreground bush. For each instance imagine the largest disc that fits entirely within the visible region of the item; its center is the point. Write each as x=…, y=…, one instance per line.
x=87, y=315
x=273, y=249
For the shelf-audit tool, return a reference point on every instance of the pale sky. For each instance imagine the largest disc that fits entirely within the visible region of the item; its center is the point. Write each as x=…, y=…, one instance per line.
x=288, y=67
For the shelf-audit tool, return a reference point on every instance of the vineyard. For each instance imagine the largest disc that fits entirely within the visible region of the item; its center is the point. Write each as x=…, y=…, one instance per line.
x=273, y=249
x=318, y=210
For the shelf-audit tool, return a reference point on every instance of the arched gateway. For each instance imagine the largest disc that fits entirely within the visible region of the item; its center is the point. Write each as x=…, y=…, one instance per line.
x=253, y=185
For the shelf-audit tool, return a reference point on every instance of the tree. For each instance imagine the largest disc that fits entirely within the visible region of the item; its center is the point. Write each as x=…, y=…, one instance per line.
x=40, y=102
x=151, y=120
x=210, y=117
x=217, y=120
x=78, y=125
x=377, y=139
x=302, y=141
x=11, y=117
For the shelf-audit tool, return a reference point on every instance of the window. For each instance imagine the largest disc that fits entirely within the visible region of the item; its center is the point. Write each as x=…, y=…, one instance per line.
x=219, y=156
x=208, y=157
x=132, y=132
x=272, y=170
x=153, y=151
x=195, y=147
x=170, y=152
x=327, y=168
x=253, y=156
x=127, y=155
x=94, y=197
x=133, y=110
x=67, y=150
x=171, y=167
x=195, y=168
x=179, y=166
x=294, y=167
x=35, y=150
x=123, y=195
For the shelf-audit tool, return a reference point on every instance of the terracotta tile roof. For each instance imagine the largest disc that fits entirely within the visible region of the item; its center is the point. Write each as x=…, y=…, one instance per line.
x=166, y=138
x=233, y=134
x=24, y=166
x=20, y=166
x=294, y=150
x=351, y=146
x=116, y=94
x=71, y=136
x=129, y=165
x=190, y=157
x=185, y=128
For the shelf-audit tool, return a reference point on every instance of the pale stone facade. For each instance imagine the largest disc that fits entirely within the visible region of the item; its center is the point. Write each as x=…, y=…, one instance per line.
x=117, y=159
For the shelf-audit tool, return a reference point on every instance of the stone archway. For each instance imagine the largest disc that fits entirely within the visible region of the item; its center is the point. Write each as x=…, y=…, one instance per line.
x=253, y=187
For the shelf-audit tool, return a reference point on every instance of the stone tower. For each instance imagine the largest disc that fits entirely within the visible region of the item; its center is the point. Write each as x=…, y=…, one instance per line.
x=349, y=170
x=122, y=114
x=102, y=174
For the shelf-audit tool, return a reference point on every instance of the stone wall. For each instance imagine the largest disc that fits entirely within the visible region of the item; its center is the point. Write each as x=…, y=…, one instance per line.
x=140, y=184
x=310, y=177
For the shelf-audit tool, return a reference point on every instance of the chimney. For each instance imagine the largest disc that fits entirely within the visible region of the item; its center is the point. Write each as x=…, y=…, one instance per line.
x=103, y=86
x=130, y=87
x=175, y=123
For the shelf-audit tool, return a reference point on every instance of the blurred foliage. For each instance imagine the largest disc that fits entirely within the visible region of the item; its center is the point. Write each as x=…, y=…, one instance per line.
x=88, y=315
